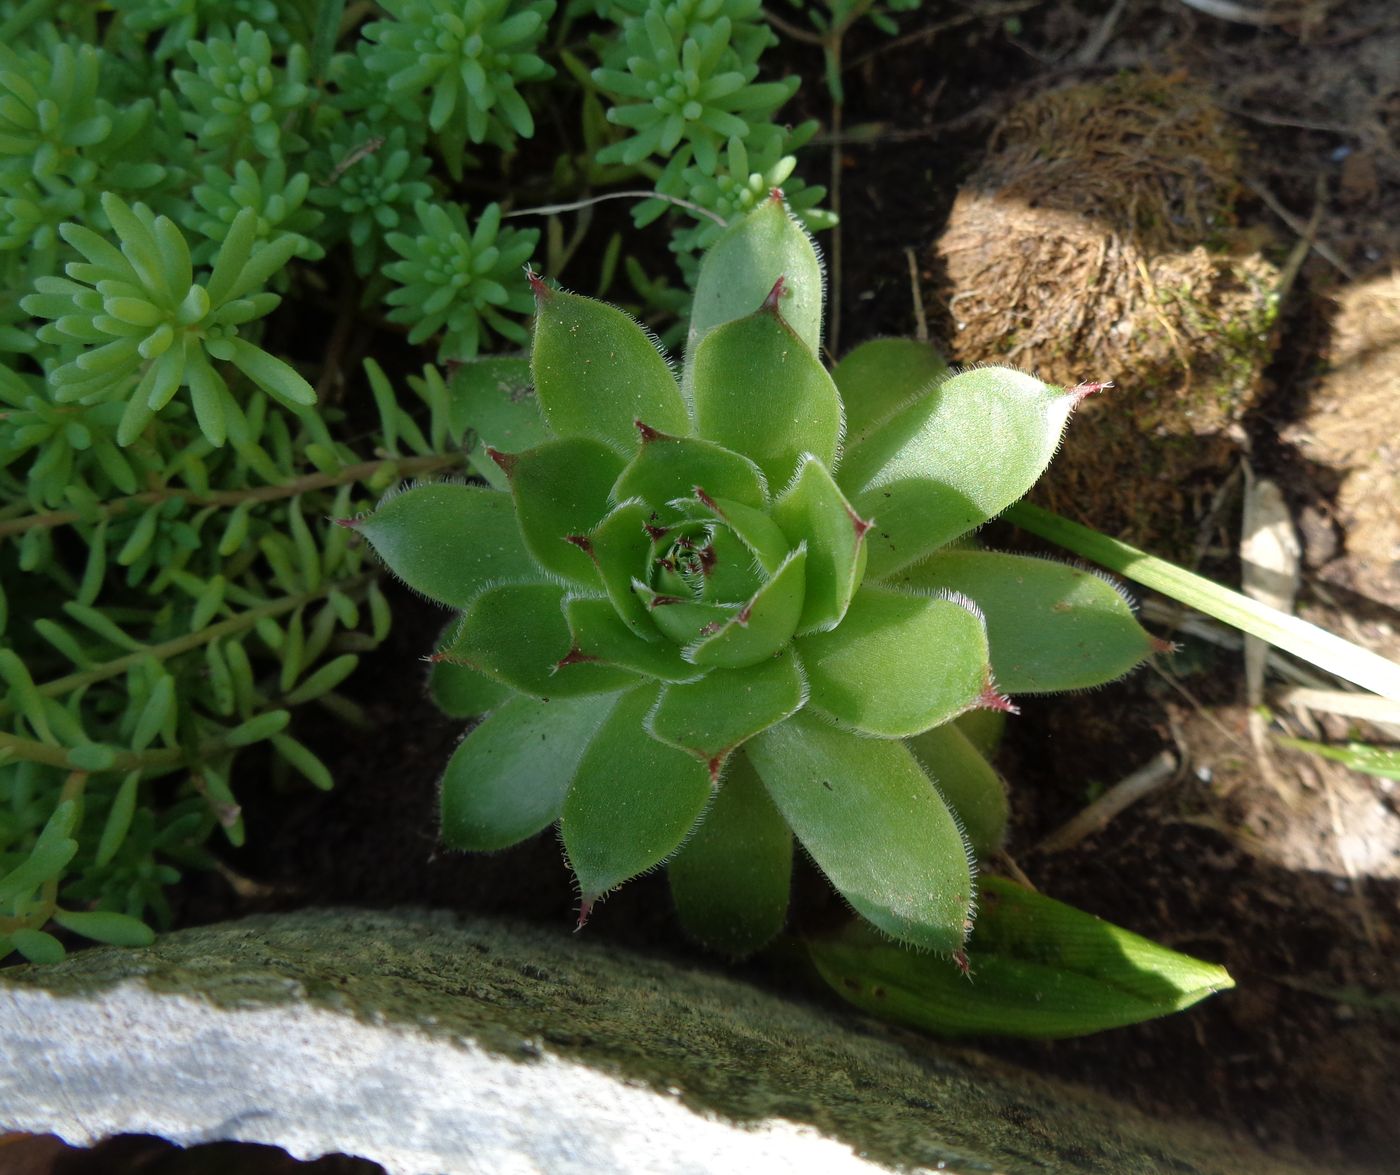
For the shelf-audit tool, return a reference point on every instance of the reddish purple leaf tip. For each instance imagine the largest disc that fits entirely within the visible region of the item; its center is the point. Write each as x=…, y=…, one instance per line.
x=648, y=433
x=776, y=193
x=776, y=294
x=348, y=523
x=581, y=542
x=960, y=961
x=538, y=286
x=574, y=656
x=1084, y=390
x=1163, y=646
x=585, y=908
x=860, y=524
x=709, y=502
x=993, y=699
x=506, y=461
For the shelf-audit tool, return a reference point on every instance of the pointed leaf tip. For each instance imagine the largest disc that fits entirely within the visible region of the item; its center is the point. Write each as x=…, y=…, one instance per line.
x=647, y=432
x=585, y=908
x=776, y=194
x=348, y=523
x=581, y=542
x=1084, y=390
x=775, y=295
x=538, y=286
x=1164, y=647
x=506, y=461
x=993, y=699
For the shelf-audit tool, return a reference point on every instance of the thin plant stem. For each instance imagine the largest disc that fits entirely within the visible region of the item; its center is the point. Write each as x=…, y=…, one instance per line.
x=183, y=644
x=405, y=467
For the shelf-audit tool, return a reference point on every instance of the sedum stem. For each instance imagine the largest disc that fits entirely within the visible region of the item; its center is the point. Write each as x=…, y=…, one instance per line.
x=181, y=644
x=405, y=467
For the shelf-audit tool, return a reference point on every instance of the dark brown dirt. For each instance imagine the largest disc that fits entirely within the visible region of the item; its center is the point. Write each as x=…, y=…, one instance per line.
x=1233, y=862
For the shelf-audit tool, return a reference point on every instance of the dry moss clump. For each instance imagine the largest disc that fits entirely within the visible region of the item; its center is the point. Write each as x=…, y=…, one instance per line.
x=1098, y=240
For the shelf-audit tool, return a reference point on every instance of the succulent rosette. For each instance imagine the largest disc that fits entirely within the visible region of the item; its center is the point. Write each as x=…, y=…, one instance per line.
x=705, y=616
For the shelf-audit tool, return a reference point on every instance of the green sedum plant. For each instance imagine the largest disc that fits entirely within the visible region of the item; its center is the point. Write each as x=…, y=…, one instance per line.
x=145, y=327
x=712, y=615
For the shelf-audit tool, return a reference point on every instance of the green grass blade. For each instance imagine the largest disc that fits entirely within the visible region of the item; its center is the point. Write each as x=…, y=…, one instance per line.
x=1292, y=635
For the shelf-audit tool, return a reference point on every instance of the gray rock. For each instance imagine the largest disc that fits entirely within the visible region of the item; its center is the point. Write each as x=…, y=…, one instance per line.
x=433, y=1046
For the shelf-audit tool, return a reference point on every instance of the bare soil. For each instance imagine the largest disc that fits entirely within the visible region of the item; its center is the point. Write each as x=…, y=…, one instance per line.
x=1281, y=866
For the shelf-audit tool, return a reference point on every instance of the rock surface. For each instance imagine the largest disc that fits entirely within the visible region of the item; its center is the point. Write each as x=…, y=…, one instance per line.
x=433, y=1046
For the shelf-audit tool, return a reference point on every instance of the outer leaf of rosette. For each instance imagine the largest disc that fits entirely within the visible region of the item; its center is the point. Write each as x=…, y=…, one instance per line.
x=448, y=541
x=632, y=801
x=713, y=715
x=459, y=691
x=951, y=459
x=731, y=879
x=560, y=489
x=897, y=664
x=881, y=376
x=670, y=467
x=761, y=391
x=1051, y=626
x=508, y=778
x=875, y=825
x=493, y=399
x=761, y=627
x=597, y=372
x=517, y=635
x=967, y=783
x=741, y=268
x=1040, y=968
x=600, y=635
x=813, y=510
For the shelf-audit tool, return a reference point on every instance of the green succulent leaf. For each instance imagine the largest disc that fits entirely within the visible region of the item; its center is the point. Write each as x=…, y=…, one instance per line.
x=632, y=802
x=619, y=546
x=813, y=510
x=460, y=691
x=449, y=541
x=599, y=634
x=1039, y=969
x=597, y=372
x=730, y=880
x=494, y=399
x=742, y=267
x=874, y=824
x=669, y=467
x=517, y=635
x=881, y=376
x=714, y=715
x=967, y=782
x=951, y=459
x=107, y=926
x=1050, y=626
x=898, y=664
x=761, y=627
x=508, y=778
x=983, y=729
x=561, y=493
x=761, y=391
